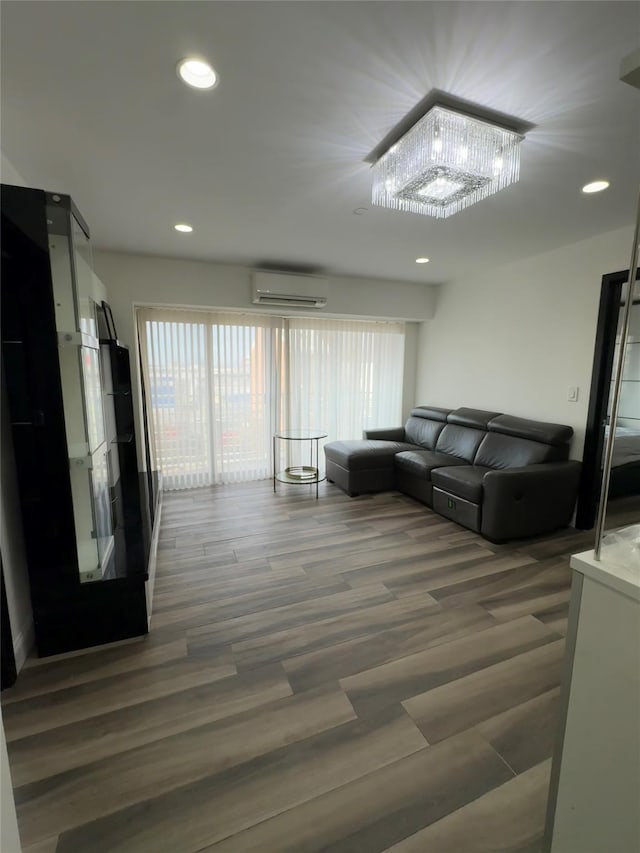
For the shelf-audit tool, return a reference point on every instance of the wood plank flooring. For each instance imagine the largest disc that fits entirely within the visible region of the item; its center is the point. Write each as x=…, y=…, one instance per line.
x=336, y=675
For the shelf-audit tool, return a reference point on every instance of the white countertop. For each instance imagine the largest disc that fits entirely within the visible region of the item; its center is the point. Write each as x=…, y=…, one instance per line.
x=621, y=578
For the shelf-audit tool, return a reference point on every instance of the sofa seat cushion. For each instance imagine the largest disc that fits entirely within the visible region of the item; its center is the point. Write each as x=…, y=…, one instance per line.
x=421, y=463
x=464, y=481
x=363, y=454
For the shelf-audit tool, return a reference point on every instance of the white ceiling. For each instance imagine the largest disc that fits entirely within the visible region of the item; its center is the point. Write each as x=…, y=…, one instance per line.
x=269, y=166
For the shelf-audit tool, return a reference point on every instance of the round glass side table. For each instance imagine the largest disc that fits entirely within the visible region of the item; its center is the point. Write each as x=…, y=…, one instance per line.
x=299, y=474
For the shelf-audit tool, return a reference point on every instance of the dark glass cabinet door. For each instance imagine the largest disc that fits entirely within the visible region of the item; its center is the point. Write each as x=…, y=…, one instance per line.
x=56, y=400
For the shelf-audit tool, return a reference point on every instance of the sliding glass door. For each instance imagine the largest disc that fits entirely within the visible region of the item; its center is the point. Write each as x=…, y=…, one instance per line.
x=212, y=394
x=243, y=396
x=220, y=384
x=178, y=391
x=344, y=376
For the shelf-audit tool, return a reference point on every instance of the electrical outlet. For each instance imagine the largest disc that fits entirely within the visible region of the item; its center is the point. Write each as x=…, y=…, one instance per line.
x=572, y=396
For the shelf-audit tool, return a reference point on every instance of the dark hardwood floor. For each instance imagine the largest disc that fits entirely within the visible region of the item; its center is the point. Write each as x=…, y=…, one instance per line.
x=332, y=675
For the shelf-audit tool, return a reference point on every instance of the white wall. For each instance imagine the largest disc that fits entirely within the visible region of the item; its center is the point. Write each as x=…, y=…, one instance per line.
x=151, y=280
x=9, y=174
x=140, y=279
x=411, y=341
x=515, y=338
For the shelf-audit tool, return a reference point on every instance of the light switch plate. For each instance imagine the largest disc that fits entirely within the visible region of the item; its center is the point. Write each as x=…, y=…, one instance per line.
x=572, y=396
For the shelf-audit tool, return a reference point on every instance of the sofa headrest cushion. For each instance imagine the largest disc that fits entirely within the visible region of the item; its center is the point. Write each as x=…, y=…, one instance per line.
x=509, y=451
x=433, y=413
x=554, y=434
x=476, y=418
x=460, y=441
x=423, y=431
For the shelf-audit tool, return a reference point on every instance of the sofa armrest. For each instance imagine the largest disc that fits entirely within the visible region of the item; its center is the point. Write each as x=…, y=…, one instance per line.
x=529, y=501
x=389, y=434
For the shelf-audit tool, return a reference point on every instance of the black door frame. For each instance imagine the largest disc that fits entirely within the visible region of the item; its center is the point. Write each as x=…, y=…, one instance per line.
x=591, y=477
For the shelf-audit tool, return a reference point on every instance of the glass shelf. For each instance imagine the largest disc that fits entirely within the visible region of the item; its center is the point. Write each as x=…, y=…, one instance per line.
x=289, y=476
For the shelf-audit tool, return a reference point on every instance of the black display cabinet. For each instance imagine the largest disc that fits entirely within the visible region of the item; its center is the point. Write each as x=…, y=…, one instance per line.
x=71, y=414
x=131, y=521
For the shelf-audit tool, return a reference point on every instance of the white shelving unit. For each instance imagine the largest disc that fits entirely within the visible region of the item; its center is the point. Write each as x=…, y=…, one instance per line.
x=594, y=804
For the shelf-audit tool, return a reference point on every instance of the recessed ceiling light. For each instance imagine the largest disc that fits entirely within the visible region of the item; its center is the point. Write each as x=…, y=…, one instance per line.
x=422, y=260
x=595, y=187
x=182, y=226
x=197, y=73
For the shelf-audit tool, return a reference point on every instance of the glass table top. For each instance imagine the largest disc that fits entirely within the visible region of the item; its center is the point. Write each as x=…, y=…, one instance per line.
x=300, y=434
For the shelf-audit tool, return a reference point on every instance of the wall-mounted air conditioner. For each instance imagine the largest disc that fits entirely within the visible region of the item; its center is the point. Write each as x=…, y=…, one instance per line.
x=288, y=290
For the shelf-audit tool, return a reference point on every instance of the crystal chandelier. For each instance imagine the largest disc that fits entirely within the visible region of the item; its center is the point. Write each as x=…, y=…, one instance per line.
x=446, y=161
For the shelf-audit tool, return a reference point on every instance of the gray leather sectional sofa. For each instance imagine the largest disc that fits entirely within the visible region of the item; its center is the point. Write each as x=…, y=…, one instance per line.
x=502, y=476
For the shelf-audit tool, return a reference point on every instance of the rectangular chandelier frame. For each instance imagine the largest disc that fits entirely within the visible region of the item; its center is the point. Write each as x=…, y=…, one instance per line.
x=447, y=161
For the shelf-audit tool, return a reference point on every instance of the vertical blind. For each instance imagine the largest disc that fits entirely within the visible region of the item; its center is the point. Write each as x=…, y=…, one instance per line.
x=220, y=384
x=344, y=376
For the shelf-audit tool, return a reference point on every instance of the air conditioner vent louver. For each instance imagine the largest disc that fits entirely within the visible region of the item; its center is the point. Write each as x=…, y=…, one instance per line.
x=280, y=299
x=288, y=291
